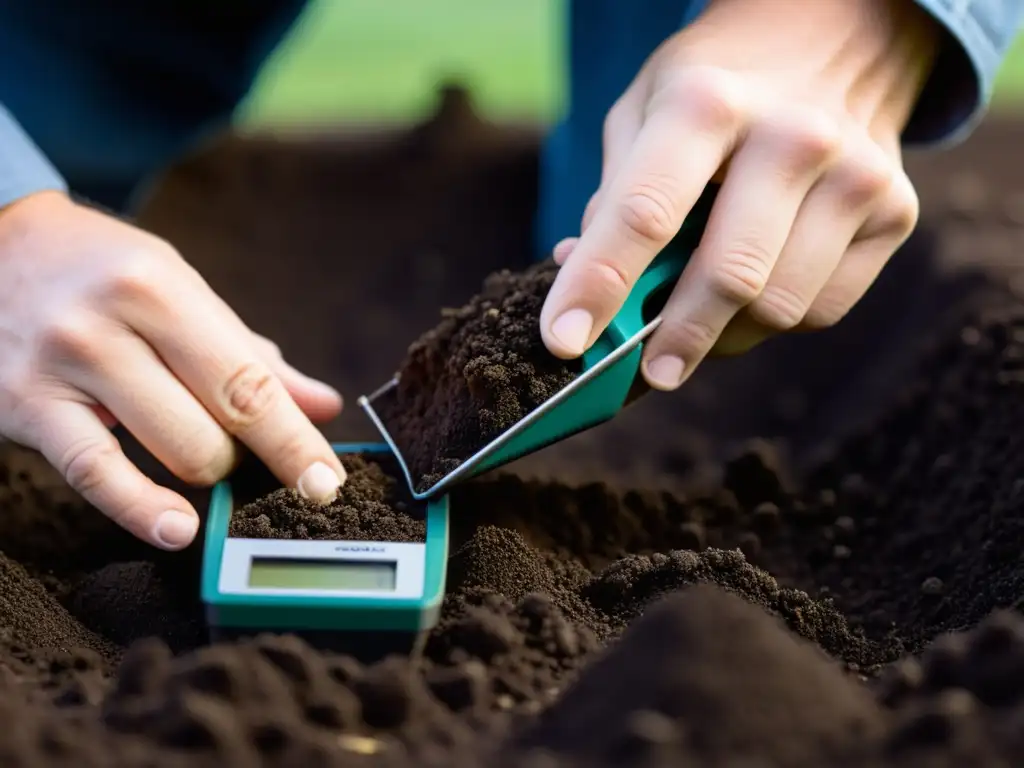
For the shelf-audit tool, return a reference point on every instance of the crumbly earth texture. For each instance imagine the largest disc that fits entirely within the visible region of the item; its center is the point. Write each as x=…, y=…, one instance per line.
x=481, y=370
x=373, y=505
x=838, y=592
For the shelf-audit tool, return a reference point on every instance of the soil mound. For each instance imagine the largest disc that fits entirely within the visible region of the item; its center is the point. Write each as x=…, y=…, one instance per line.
x=674, y=684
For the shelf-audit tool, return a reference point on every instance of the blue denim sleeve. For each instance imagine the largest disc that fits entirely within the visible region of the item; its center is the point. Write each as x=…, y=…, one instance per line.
x=979, y=34
x=24, y=169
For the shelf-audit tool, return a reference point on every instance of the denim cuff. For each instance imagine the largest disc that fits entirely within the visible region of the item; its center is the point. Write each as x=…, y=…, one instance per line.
x=978, y=35
x=24, y=169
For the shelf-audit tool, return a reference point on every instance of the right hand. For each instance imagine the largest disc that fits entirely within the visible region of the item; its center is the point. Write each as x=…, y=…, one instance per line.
x=101, y=323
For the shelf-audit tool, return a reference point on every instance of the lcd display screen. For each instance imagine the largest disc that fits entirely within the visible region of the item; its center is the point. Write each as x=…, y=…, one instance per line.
x=291, y=573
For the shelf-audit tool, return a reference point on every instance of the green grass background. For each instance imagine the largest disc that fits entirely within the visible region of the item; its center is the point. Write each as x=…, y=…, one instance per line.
x=381, y=60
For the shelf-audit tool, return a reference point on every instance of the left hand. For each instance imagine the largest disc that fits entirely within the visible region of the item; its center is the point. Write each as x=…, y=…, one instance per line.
x=797, y=108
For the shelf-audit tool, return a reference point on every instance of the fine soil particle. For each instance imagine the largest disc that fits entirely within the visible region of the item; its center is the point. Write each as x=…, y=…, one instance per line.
x=476, y=374
x=373, y=505
x=718, y=604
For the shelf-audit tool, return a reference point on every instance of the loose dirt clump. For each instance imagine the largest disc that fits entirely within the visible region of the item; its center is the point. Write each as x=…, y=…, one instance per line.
x=475, y=375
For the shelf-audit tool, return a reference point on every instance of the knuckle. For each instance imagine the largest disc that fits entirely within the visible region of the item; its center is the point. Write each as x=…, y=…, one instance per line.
x=742, y=274
x=810, y=139
x=648, y=212
x=141, y=278
x=779, y=307
x=709, y=96
x=603, y=280
x=689, y=337
x=861, y=181
x=84, y=464
x=203, y=464
x=904, y=210
x=249, y=395
x=71, y=338
x=826, y=311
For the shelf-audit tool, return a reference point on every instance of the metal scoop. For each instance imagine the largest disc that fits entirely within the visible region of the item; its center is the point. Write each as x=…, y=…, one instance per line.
x=609, y=380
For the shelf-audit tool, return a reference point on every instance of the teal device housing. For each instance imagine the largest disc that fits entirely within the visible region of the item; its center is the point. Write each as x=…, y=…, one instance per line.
x=294, y=612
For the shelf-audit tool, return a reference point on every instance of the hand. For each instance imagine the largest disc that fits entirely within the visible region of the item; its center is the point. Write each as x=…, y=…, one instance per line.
x=100, y=323
x=797, y=109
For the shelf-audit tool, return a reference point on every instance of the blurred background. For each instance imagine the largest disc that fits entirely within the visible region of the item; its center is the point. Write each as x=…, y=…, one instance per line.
x=368, y=61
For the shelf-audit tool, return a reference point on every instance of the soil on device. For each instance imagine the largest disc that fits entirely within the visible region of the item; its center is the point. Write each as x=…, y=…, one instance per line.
x=481, y=370
x=374, y=504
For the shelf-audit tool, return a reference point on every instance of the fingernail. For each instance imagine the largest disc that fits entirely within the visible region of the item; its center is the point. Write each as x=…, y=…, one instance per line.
x=320, y=483
x=176, y=529
x=573, y=329
x=665, y=371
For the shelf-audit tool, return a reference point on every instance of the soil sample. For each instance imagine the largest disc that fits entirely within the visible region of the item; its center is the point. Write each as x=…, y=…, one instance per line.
x=373, y=505
x=475, y=375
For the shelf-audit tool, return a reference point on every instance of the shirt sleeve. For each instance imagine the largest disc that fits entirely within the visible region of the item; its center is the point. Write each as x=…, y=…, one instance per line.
x=24, y=169
x=978, y=35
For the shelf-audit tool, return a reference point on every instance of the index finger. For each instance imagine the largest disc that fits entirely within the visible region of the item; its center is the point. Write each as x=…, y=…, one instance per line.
x=690, y=131
x=211, y=351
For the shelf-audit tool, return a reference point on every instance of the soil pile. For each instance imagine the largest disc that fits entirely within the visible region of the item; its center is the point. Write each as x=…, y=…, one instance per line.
x=475, y=375
x=674, y=683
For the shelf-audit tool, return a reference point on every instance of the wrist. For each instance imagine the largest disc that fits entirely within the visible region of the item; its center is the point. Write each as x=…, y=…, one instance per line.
x=874, y=55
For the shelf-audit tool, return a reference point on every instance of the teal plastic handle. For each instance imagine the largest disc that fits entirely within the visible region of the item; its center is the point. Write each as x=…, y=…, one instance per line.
x=663, y=272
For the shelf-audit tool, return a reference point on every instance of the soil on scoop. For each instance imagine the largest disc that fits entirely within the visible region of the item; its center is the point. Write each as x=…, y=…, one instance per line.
x=717, y=605
x=476, y=374
x=374, y=504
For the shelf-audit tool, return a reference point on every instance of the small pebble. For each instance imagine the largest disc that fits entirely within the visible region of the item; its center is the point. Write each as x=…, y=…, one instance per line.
x=652, y=727
x=361, y=745
x=932, y=586
x=970, y=336
x=845, y=525
x=841, y=552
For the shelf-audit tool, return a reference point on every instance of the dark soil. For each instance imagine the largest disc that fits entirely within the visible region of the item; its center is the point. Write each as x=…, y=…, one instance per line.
x=480, y=371
x=374, y=504
x=822, y=569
